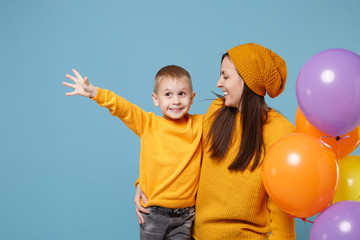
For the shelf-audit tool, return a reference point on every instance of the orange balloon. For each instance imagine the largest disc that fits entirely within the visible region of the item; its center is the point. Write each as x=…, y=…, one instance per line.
x=300, y=174
x=341, y=148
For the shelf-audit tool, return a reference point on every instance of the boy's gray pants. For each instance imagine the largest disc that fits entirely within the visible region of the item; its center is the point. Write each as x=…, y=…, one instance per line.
x=167, y=223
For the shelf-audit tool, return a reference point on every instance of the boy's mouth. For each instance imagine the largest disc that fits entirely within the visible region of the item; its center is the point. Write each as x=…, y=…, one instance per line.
x=175, y=109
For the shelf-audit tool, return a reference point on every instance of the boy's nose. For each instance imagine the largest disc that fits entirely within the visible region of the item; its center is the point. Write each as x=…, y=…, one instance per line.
x=176, y=100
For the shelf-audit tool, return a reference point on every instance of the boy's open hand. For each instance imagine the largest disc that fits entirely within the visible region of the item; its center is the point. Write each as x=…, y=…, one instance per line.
x=82, y=86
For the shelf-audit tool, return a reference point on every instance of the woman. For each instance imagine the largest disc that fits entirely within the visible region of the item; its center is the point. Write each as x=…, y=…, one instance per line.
x=238, y=130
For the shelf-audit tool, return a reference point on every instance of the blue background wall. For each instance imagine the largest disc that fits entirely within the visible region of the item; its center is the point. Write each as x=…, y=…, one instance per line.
x=67, y=168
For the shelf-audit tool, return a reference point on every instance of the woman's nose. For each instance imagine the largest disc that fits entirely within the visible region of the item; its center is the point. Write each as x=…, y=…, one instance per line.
x=219, y=84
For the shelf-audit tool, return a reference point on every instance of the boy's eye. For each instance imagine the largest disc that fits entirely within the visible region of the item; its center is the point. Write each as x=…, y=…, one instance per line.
x=167, y=94
x=182, y=94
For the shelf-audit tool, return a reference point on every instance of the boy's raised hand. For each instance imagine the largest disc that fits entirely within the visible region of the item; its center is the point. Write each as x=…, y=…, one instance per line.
x=81, y=87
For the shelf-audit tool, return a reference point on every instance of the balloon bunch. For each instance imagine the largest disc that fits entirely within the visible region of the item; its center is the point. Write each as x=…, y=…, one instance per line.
x=304, y=173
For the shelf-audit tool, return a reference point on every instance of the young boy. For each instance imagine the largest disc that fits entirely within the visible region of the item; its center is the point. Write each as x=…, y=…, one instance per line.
x=170, y=154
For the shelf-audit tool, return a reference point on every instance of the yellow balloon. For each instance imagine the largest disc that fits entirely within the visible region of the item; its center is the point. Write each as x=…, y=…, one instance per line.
x=349, y=179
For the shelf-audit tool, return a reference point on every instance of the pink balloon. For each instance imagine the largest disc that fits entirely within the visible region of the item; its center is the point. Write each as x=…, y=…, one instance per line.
x=328, y=91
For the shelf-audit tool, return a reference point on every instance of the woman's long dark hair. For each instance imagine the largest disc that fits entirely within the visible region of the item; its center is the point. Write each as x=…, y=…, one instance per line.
x=253, y=117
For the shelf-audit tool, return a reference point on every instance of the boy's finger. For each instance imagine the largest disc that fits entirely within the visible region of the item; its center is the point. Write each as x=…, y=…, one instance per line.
x=77, y=74
x=71, y=78
x=71, y=93
x=69, y=84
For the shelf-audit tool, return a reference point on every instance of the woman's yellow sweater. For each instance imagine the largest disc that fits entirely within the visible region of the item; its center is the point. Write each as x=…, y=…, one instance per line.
x=234, y=204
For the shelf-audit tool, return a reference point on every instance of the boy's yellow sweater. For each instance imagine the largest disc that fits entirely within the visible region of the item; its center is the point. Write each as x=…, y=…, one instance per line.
x=170, y=154
x=234, y=204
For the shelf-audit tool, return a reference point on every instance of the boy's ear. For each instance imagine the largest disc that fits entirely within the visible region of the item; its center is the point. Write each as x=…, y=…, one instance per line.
x=192, y=98
x=155, y=99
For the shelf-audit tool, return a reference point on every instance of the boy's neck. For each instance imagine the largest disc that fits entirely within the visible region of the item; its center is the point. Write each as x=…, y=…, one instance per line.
x=181, y=120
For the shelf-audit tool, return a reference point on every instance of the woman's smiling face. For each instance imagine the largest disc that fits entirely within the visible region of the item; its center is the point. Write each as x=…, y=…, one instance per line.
x=231, y=83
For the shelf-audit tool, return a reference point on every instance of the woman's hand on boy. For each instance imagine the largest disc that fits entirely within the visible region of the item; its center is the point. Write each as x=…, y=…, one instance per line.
x=138, y=207
x=81, y=87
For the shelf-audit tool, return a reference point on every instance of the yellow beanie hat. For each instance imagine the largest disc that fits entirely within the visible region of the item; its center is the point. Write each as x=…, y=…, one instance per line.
x=261, y=69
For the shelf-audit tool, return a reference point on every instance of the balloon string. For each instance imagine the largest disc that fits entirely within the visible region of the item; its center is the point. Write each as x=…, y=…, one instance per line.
x=357, y=198
x=338, y=138
x=338, y=150
x=306, y=232
x=325, y=142
x=304, y=219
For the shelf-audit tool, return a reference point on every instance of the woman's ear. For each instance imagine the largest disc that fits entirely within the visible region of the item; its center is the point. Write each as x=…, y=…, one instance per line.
x=155, y=99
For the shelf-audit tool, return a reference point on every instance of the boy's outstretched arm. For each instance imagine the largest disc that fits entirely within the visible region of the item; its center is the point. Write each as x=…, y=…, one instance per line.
x=81, y=87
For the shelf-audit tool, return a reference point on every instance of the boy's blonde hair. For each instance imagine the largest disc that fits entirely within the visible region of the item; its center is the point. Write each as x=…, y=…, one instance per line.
x=174, y=72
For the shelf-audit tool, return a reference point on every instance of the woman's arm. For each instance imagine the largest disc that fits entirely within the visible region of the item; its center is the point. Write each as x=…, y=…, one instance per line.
x=281, y=224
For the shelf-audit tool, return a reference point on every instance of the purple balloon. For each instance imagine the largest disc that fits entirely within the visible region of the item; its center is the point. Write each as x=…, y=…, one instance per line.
x=340, y=221
x=328, y=91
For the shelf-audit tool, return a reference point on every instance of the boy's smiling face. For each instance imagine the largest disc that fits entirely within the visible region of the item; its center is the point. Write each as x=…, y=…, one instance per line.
x=174, y=96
